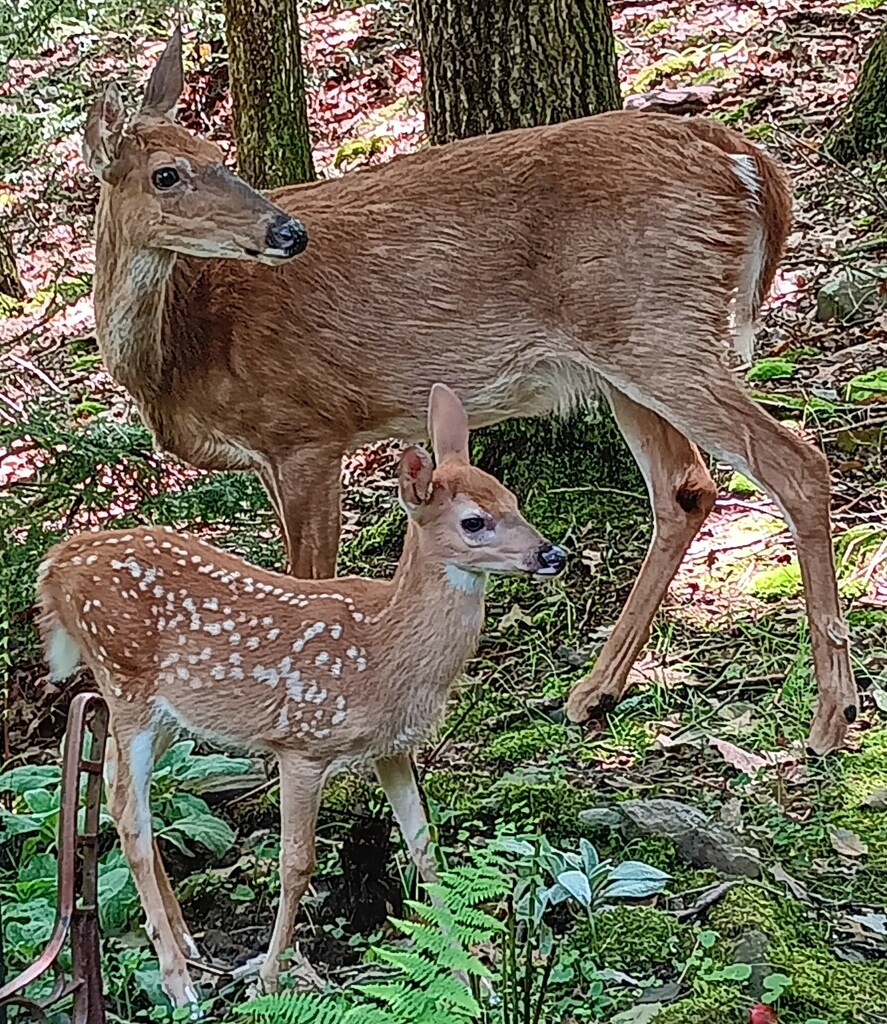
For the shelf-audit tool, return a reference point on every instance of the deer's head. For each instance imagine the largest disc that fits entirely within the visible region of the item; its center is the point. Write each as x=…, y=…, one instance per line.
x=171, y=190
x=465, y=518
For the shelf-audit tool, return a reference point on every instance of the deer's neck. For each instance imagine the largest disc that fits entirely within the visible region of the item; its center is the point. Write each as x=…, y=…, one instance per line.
x=432, y=620
x=129, y=290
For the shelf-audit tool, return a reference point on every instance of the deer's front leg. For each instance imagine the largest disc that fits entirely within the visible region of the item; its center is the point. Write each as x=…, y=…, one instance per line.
x=301, y=784
x=305, y=491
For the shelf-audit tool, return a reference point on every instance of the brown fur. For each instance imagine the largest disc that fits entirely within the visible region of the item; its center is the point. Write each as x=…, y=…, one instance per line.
x=527, y=269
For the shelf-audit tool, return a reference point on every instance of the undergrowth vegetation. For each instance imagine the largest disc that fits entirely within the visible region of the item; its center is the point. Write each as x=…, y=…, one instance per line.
x=560, y=900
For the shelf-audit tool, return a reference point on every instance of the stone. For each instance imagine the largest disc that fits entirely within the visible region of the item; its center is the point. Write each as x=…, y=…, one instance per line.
x=601, y=817
x=752, y=948
x=698, y=839
x=849, y=295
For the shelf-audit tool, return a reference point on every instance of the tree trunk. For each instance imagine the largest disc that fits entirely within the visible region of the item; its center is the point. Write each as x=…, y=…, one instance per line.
x=268, y=86
x=862, y=129
x=489, y=67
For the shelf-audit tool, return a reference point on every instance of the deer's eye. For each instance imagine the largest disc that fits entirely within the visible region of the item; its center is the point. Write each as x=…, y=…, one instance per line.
x=165, y=177
x=473, y=524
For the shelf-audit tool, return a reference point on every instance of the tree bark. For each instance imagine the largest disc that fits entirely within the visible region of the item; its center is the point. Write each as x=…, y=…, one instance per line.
x=268, y=86
x=862, y=129
x=490, y=67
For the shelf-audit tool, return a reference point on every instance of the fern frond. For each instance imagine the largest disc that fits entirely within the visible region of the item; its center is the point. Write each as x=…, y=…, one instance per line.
x=293, y=1008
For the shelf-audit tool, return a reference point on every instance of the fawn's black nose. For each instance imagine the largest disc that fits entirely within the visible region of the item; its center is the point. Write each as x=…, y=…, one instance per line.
x=551, y=559
x=287, y=235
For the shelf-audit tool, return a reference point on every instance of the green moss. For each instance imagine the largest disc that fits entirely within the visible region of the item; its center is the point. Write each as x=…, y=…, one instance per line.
x=741, y=486
x=633, y=939
x=780, y=582
x=772, y=369
x=721, y=1006
x=344, y=792
x=822, y=985
x=551, y=808
x=532, y=741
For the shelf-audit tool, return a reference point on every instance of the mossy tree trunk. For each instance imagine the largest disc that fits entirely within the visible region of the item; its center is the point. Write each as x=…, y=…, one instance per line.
x=268, y=86
x=862, y=129
x=490, y=67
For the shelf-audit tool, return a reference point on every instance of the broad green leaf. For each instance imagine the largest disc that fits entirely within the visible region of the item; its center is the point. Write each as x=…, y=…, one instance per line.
x=18, y=824
x=577, y=885
x=30, y=776
x=590, y=858
x=208, y=830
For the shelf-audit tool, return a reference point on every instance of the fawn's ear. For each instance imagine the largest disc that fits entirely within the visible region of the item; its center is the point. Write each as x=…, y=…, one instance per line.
x=447, y=425
x=167, y=80
x=104, y=127
x=414, y=482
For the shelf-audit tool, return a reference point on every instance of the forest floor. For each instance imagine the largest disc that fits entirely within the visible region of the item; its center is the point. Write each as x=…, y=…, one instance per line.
x=798, y=916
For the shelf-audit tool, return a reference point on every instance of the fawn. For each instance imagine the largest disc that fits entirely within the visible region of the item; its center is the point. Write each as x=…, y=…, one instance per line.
x=322, y=673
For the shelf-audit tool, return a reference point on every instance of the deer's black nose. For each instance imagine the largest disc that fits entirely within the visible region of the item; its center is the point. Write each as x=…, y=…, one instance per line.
x=551, y=559
x=287, y=235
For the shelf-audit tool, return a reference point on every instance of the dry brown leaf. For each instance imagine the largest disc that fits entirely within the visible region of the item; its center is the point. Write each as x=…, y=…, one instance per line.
x=742, y=760
x=847, y=843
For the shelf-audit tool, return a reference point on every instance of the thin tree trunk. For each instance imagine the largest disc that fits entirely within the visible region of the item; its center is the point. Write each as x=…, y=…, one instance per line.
x=862, y=129
x=490, y=67
x=268, y=86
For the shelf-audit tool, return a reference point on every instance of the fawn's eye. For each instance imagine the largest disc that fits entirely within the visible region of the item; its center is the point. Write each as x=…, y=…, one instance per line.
x=473, y=524
x=165, y=177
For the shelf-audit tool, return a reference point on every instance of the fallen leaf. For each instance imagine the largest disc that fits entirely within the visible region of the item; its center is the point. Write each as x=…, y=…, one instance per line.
x=516, y=615
x=876, y=801
x=872, y=922
x=742, y=760
x=847, y=843
x=792, y=884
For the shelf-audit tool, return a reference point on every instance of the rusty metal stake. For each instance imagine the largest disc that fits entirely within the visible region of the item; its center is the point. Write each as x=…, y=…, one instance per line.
x=77, y=876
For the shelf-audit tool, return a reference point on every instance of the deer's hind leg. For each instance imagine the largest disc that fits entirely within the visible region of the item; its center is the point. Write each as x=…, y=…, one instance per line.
x=682, y=493
x=691, y=388
x=171, y=905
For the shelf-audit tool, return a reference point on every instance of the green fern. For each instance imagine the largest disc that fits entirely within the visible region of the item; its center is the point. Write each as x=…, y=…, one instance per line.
x=424, y=986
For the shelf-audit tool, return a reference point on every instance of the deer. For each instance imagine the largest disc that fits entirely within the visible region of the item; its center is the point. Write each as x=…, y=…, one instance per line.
x=621, y=257
x=323, y=674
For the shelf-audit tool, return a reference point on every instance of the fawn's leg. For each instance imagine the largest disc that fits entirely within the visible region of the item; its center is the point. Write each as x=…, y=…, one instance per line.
x=301, y=784
x=170, y=904
x=397, y=777
x=129, y=804
x=682, y=494
x=305, y=490
x=704, y=401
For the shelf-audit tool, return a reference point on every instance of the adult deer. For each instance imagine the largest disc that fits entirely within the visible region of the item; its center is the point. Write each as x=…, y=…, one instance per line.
x=181, y=635
x=530, y=270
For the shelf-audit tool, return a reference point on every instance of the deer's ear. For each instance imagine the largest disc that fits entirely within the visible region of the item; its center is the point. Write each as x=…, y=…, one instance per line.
x=414, y=481
x=104, y=127
x=167, y=80
x=447, y=425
